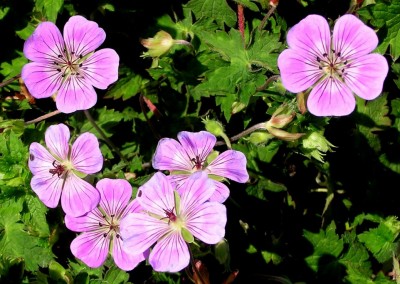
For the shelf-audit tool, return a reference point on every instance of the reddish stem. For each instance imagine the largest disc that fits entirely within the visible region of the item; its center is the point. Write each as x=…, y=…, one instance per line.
x=241, y=19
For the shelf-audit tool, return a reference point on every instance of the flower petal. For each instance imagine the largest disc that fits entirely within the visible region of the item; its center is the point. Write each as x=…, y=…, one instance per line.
x=57, y=140
x=82, y=36
x=221, y=192
x=79, y=197
x=140, y=231
x=85, y=223
x=41, y=79
x=170, y=155
x=156, y=195
x=207, y=222
x=197, y=144
x=86, y=156
x=196, y=190
x=124, y=259
x=48, y=188
x=45, y=44
x=171, y=254
x=331, y=97
x=75, y=94
x=40, y=160
x=298, y=70
x=101, y=69
x=366, y=75
x=91, y=247
x=114, y=195
x=352, y=38
x=230, y=164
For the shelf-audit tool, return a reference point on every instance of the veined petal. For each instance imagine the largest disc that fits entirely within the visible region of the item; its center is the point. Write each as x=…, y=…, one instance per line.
x=140, y=231
x=366, y=75
x=45, y=44
x=311, y=37
x=126, y=260
x=197, y=144
x=86, y=156
x=170, y=155
x=57, y=140
x=91, y=247
x=196, y=190
x=170, y=254
x=221, y=192
x=156, y=195
x=133, y=207
x=82, y=36
x=101, y=69
x=230, y=164
x=48, y=188
x=40, y=160
x=85, y=223
x=114, y=195
x=79, y=197
x=298, y=70
x=352, y=38
x=75, y=94
x=41, y=79
x=207, y=222
x=331, y=97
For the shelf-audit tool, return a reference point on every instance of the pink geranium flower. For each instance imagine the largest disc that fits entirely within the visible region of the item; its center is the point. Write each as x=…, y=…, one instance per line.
x=69, y=67
x=58, y=170
x=172, y=220
x=190, y=155
x=101, y=227
x=334, y=67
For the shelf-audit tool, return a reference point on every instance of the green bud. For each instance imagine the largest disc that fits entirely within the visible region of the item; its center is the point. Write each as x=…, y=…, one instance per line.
x=213, y=127
x=158, y=45
x=222, y=253
x=316, y=146
x=259, y=137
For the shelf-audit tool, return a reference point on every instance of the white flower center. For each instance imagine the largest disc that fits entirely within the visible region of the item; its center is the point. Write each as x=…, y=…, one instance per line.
x=333, y=65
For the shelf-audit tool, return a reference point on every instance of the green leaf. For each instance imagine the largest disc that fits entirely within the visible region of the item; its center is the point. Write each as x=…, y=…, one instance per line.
x=126, y=88
x=326, y=244
x=248, y=4
x=386, y=16
x=3, y=12
x=381, y=241
x=218, y=10
x=116, y=275
x=49, y=8
x=35, y=218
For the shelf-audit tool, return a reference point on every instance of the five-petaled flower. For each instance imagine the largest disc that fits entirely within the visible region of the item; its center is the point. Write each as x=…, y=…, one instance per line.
x=69, y=67
x=101, y=227
x=190, y=155
x=172, y=220
x=334, y=67
x=58, y=171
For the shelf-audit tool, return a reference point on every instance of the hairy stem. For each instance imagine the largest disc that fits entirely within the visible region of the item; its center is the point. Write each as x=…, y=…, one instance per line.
x=43, y=117
x=8, y=81
x=104, y=137
x=241, y=19
x=264, y=20
x=261, y=125
x=193, y=264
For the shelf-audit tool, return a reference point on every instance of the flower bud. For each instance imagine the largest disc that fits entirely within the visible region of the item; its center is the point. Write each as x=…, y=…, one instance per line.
x=283, y=135
x=316, y=145
x=158, y=45
x=259, y=137
x=213, y=127
x=222, y=253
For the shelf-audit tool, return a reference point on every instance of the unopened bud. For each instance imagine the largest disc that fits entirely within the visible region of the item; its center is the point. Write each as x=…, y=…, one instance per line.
x=213, y=127
x=283, y=135
x=273, y=3
x=259, y=137
x=301, y=102
x=158, y=45
x=237, y=107
x=222, y=253
x=316, y=145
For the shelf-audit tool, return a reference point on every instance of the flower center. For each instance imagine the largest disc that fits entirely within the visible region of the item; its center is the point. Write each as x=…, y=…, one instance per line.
x=110, y=226
x=69, y=64
x=197, y=163
x=333, y=64
x=58, y=169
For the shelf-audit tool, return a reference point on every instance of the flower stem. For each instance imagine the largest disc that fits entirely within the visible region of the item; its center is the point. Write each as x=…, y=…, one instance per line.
x=104, y=137
x=193, y=264
x=261, y=125
x=43, y=117
x=264, y=20
x=8, y=81
x=241, y=19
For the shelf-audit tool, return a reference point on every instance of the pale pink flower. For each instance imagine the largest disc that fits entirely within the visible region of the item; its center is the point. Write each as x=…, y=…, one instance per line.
x=58, y=170
x=101, y=227
x=189, y=155
x=172, y=220
x=334, y=67
x=69, y=67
